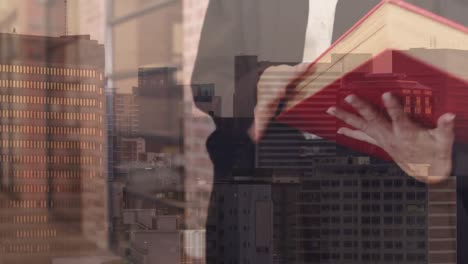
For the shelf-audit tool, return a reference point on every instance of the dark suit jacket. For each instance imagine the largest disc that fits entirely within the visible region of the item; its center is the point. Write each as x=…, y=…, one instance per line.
x=275, y=31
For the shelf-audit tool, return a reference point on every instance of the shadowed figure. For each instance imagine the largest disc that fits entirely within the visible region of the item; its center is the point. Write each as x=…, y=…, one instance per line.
x=275, y=31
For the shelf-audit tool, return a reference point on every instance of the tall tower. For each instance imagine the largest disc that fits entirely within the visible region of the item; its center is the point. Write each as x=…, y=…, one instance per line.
x=52, y=141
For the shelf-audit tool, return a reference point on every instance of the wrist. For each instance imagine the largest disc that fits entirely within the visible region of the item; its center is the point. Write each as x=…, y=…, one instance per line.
x=430, y=174
x=260, y=123
x=251, y=132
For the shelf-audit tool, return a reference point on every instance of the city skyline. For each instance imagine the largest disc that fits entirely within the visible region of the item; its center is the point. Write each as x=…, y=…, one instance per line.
x=118, y=146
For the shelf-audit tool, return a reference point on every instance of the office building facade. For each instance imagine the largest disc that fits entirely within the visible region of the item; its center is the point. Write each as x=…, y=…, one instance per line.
x=53, y=146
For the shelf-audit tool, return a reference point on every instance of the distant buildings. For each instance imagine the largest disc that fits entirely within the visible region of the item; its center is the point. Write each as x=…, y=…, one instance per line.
x=253, y=220
x=162, y=239
x=126, y=119
x=148, y=122
x=353, y=211
x=148, y=156
x=53, y=167
x=152, y=112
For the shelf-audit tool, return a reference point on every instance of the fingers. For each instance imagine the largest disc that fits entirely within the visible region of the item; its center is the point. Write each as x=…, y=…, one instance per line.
x=301, y=67
x=445, y=128
x=363, y=108
x=395, y=110
x=349, y=118
x=281, y=75
x=301, y=71
x=271, y=87
x=357, y=134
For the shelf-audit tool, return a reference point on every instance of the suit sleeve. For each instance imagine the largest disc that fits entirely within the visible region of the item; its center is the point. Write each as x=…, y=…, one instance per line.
x=460, y=171
x=230, y=29
x=460, y=160
x=231, y=149
x=222, y=38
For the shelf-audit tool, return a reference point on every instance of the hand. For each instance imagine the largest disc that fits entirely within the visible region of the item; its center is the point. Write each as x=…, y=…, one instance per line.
x=425, y=154
x=271, y=89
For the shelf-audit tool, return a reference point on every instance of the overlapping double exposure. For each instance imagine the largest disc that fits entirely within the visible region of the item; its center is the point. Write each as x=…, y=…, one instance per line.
x=188, y=131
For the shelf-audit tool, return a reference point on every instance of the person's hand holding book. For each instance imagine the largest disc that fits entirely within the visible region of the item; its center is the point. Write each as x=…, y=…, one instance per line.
x=273, y=87
x=425, y=154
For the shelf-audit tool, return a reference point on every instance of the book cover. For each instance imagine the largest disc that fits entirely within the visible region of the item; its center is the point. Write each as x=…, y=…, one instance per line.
x=397, y=47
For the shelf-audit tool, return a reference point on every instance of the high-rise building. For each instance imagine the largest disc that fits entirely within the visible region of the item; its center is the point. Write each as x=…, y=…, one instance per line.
x=152, y=113
x=157, y=82
x=355, y=210
x=159, y=102
x=352, y=211
x=53, y=168
x=253, y=221
x=126, y=119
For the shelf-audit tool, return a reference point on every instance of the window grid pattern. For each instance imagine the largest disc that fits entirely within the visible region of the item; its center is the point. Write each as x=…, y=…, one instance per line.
x=54, y=86
x=59, y=160
x=50, y=71
x=52, y=130
x=19, y=99
x=76, y=116
x=34, y=144
x=56, y=174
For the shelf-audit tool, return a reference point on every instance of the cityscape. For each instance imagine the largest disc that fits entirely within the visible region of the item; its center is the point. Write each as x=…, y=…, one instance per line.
x=111, y=153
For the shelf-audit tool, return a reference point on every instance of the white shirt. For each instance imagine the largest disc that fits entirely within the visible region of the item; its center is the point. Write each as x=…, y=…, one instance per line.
x=319, y=31
x=319, y=28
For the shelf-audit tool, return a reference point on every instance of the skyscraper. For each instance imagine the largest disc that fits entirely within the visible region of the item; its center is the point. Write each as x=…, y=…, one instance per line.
x=254, y=220
x=53, y=169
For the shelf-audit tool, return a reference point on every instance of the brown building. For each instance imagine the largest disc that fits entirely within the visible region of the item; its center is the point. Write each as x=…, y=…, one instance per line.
x=126, y=121
x=53, y=196
x=152, y=113
x=159, y=102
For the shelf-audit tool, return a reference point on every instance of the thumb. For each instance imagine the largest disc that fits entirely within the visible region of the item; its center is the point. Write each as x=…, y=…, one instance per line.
x=445, y=128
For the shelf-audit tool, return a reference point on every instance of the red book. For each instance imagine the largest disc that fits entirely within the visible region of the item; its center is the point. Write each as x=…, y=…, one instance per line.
x=418, y=56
